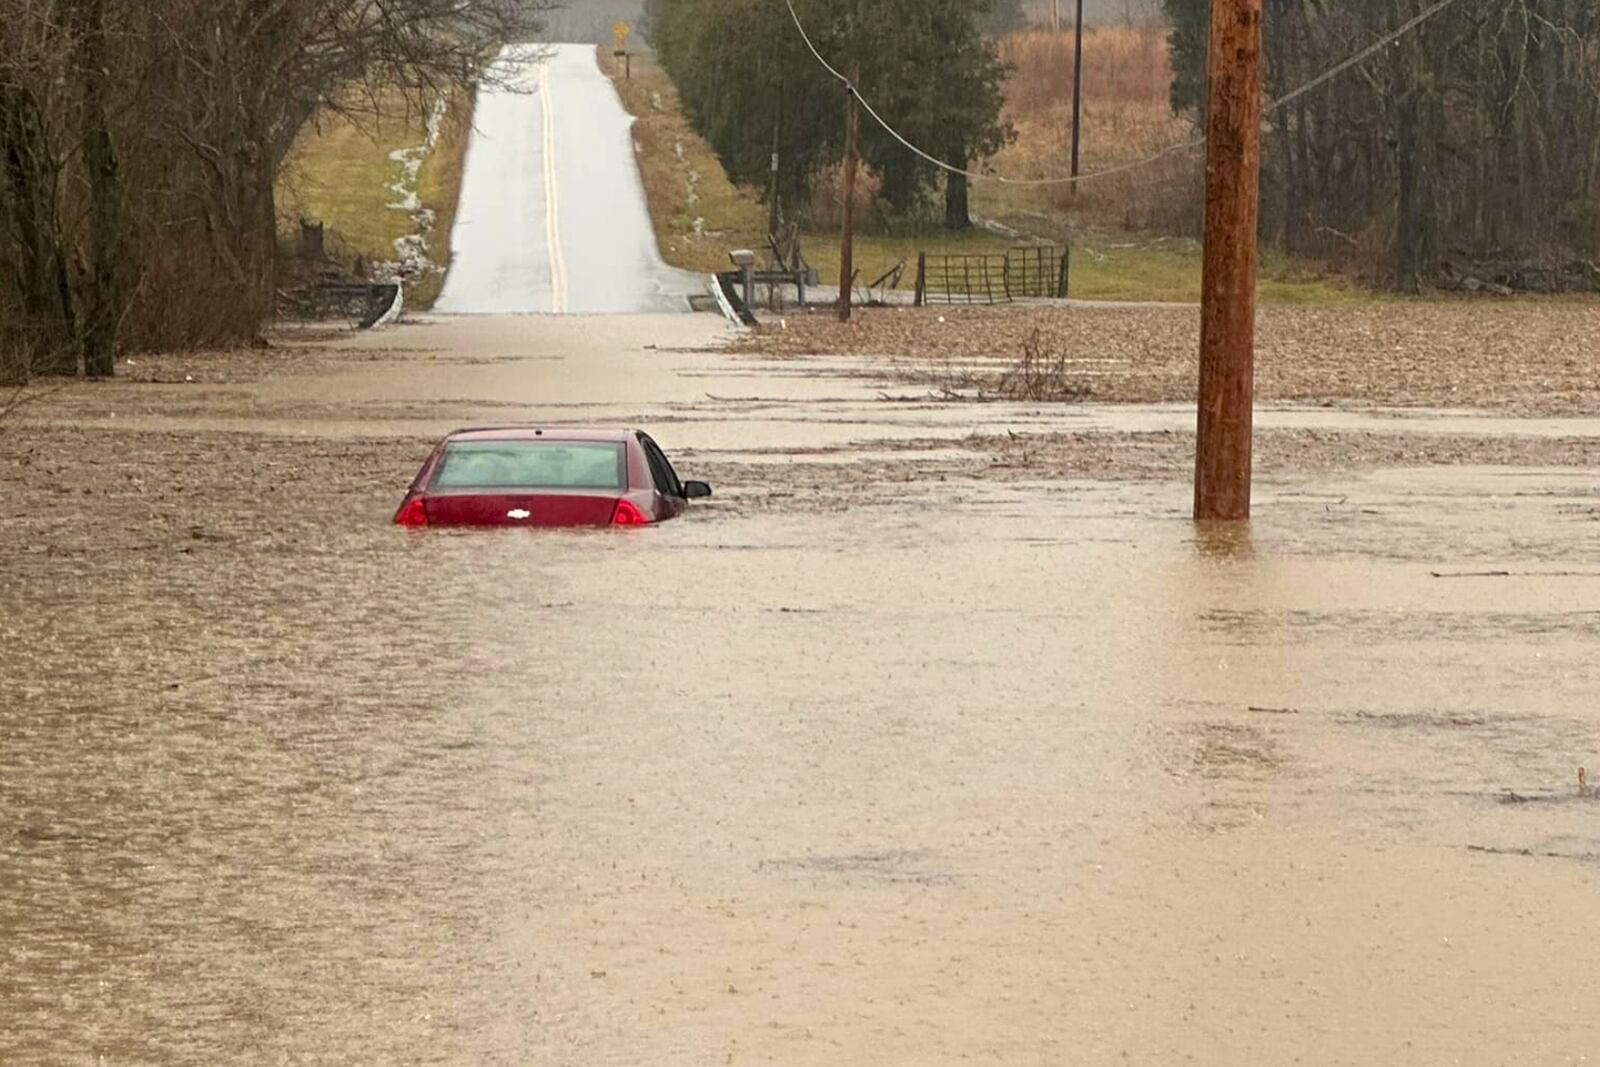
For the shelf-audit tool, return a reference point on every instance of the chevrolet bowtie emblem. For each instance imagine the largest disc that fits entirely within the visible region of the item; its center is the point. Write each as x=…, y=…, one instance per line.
x=518, y=513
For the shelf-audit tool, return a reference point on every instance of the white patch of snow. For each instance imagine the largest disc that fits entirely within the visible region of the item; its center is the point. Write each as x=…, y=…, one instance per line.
x=413, y=258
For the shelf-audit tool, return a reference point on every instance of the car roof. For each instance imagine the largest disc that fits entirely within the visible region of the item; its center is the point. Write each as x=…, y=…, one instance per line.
x=542, y=433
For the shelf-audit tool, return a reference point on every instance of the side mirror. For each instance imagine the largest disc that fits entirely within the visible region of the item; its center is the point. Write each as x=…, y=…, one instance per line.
x=696, y=490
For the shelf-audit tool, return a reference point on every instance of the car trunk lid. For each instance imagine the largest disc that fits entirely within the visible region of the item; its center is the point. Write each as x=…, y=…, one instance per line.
x=521, y=509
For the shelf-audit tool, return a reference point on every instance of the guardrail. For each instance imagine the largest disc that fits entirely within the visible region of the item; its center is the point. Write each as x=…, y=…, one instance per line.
x=366, y=304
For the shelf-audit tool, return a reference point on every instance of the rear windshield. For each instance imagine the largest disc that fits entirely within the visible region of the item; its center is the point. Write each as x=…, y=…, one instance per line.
x=531, y=465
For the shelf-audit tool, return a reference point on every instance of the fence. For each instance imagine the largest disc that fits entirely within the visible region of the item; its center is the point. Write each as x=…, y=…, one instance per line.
x=1037, y=271
x=1034, y=271
x=966, y=279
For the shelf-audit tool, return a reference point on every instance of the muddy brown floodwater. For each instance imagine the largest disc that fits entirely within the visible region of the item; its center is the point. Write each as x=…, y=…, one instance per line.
x=894, y=753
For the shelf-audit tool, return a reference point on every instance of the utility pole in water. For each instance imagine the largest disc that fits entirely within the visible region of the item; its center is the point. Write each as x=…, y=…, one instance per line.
x=1228, y=283
x=852, y=134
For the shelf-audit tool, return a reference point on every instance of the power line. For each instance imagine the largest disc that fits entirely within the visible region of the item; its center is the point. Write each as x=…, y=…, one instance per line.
x=1122, y=168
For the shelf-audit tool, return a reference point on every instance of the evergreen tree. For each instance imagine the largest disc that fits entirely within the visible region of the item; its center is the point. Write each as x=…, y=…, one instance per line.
x=747, y=81
x=1190, y=27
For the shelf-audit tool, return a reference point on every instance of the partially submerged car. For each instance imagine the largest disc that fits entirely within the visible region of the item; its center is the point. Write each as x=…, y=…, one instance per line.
x=535, y=476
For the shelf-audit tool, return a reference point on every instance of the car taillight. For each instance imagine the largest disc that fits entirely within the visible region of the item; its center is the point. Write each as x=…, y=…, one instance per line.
x=628, y=514
x=412, y=513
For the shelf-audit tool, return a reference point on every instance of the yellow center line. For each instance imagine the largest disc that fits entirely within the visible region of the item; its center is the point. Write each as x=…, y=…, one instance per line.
x=558, y=263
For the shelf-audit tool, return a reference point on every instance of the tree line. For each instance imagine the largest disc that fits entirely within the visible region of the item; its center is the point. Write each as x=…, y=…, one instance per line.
x=1470, y=145
x=140, y=143
x=752, y=89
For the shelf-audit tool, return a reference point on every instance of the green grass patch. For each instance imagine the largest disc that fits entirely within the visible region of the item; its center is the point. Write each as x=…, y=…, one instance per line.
x=341, y=173
x=1169, y=271
x=1166, y=271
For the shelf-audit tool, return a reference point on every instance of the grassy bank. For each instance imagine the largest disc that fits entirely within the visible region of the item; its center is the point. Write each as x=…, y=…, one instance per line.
x=342, y=172
x=699, y=215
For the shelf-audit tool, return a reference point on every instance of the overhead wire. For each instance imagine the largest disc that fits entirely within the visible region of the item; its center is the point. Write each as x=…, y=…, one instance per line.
x=1122, y=168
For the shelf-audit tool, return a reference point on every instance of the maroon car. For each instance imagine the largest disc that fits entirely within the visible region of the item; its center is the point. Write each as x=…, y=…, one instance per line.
x=530, y=476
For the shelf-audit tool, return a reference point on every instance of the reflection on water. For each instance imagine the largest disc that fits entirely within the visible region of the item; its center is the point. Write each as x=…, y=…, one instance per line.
x=1217, y=539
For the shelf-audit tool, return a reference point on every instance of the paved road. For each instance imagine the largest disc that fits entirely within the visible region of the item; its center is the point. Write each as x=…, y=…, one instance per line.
x=553, y=216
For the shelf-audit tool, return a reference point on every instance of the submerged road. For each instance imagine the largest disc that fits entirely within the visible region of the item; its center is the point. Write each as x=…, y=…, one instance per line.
x=854, y=765
x=553, y=217
x=903, y=749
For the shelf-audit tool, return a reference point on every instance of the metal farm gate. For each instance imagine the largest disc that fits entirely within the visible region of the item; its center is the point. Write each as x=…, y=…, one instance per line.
x=961, y=279
x=1036, y=271
x=1032, y=271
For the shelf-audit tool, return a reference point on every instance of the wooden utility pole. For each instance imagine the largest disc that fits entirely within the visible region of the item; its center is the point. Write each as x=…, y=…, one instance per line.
x=1228, y=283
x=852, y=134
x=1077, y=91
x=777, y=145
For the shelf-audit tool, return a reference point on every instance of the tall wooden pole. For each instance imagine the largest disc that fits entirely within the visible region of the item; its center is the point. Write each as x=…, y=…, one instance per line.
x=777, y=144
x=1228, y=283
x=852, y=133
x=1077, y=91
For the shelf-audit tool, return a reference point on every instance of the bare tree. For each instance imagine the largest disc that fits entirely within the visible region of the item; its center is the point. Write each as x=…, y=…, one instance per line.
x=140, y=146
x=36, y=308
x=1473, y=141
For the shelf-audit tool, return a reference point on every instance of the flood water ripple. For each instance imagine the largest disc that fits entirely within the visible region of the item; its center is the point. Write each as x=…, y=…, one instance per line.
x=1004, y=773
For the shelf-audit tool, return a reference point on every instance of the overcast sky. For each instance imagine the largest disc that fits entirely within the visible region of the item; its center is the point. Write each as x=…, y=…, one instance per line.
x=585, y=21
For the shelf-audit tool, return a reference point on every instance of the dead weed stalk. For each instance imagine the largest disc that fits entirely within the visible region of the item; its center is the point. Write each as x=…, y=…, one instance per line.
x=1041, y=374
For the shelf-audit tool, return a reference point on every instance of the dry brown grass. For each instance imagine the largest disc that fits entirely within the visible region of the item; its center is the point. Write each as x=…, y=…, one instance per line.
x=1121, y=64
x=1126, y=117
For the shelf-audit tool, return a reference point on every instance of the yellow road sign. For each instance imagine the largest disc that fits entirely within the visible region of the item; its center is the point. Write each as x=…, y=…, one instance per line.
x=621, y=29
